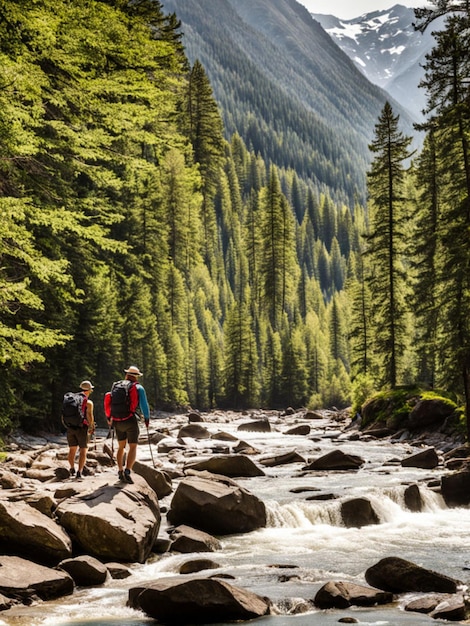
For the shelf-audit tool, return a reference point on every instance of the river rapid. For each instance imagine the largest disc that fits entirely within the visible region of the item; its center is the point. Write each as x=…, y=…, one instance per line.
x=305, y=543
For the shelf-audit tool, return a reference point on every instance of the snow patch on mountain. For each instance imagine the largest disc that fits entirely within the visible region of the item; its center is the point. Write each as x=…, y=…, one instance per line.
x=386, y=48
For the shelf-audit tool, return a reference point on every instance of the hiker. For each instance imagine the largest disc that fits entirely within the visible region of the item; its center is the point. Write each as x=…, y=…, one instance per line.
x=78, y=435
x=122, y=404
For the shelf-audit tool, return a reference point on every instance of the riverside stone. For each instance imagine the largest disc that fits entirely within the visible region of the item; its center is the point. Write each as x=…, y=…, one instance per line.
x=85, y=570
x=198, y=600
x=197, y=565
x=455, y=488
x=358, y=512
x=227, y=465
x=399, y=576
x=158, y=480
x=27, y=532
x=217, y=505
x=341, y=595
x=22, y=579
x=195, y=431
x=336, y=460
x=187, y=539
x=283, y=459
x=259, y=426
x=426, y=459
x=113, y=522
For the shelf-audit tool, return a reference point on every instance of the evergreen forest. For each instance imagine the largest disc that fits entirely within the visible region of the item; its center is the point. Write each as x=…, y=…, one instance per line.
x=135, y=229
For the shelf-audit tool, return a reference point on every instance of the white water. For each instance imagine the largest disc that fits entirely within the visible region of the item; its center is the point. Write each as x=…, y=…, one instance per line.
x=304, y=544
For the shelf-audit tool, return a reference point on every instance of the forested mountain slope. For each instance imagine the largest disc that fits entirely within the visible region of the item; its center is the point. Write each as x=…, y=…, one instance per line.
x=286, y=87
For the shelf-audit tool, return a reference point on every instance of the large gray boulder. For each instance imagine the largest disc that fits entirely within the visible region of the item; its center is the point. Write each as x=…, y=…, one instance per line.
x=197, y=600
x=400, y=576
x=341, y=595
x=25, y=531
x=231, y=465
x=217, y=505
x=113, y=522
x=24, y=579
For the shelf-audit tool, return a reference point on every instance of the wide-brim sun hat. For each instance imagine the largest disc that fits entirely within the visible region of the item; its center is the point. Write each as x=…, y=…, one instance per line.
x=86, y=385
x=133, y=370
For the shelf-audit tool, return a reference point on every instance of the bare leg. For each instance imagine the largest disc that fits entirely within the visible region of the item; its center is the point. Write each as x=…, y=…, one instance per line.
x=82, y=459
x=131, y=456
x=71, y=456
x=120, y=454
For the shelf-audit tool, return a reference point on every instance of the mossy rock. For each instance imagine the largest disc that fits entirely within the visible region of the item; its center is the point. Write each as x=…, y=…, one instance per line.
x=409, y=408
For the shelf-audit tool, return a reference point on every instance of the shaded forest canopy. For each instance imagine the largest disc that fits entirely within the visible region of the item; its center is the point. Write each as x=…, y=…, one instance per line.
x=132, y=231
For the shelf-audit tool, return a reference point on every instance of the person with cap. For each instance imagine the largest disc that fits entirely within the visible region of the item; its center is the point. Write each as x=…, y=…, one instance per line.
x=77, y=438
x=122, y=405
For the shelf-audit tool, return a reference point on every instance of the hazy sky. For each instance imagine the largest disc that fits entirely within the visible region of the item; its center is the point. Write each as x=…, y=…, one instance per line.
x=348, y=9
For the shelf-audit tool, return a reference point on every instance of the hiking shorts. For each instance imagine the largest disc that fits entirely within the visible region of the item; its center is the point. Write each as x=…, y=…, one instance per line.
x=127, y=429
x=77, y=437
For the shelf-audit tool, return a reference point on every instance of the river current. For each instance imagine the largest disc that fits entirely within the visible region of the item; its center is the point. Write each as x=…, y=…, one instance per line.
x=305, y=543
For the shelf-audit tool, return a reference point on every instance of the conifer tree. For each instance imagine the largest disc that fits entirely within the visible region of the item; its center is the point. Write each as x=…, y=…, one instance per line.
x=386, y=240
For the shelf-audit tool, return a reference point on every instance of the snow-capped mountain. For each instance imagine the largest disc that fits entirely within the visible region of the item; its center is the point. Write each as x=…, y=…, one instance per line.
x=387, y=49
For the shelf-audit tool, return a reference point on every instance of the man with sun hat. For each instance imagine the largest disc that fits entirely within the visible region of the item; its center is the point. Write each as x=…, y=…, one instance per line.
x=124, y=420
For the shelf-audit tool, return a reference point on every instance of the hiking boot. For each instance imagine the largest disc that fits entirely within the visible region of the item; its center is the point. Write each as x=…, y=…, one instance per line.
x=72, y=471
x=127, y=476
x=121, y=475
x=78, y=474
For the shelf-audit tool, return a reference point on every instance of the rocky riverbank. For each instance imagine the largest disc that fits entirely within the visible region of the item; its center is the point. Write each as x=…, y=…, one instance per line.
x=59, y=533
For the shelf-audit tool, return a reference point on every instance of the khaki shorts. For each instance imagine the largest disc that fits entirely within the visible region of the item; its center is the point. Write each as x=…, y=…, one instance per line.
x=127, y=429
x=77, y=437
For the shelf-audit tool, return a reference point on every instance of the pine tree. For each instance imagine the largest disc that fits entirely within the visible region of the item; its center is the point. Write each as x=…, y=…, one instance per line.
x=386, y=240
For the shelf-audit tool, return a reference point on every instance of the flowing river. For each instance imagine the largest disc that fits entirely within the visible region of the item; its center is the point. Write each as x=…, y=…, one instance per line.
x=305, y=543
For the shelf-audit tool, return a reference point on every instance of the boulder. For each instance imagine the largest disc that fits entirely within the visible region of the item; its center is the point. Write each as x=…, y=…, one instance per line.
x=426, y=459
x=400, y=576
x=198, y=600
x=113, y=522
x=187, y=539
x=341, y=595
x=197, y=565
x=195, y=431
x=302, y=429
x=25, y=531
x=336, y=460
x=224, y=436
x=194, y=416
x=455, y=488
x=217, y=505
x=313, y=415
x=10, y=480
x=432, y=412
x=85, y=570
x=413, y=500
x=258, y=426
x=22, y=579
x=117, y=571
x=442, y=606
x=156, y=479
x=358, y=512
x=283, y=459
x=227, y=465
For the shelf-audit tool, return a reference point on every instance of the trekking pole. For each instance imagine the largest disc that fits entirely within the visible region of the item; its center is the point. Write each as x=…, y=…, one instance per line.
x=150, y=445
